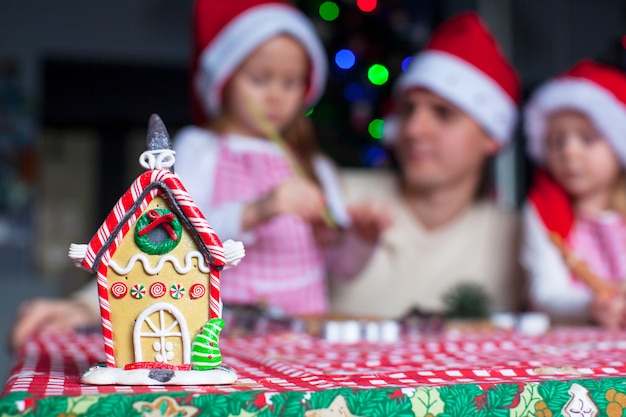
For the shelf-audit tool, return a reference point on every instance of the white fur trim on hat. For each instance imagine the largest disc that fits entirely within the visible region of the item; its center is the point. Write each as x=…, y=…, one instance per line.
x=242, y=35
x=607, y=112
x=467, y=87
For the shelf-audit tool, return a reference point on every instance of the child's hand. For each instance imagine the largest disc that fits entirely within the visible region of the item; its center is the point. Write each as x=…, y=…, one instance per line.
x=370, y=219
x=297, y=196
x=609, y=309
x=50, y=315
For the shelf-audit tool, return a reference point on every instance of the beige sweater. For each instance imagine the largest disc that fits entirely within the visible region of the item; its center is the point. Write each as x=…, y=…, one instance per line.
x=415, y=267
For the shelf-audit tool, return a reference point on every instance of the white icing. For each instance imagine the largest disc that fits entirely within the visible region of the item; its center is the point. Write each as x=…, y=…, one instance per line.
x=158, y=159
x=181, y=269
x=233, y=252
x=118, y=376
x=160, y=331
x=77, y=252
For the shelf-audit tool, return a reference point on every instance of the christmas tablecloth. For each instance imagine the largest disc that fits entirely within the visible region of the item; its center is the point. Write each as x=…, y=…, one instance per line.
x=568, y=371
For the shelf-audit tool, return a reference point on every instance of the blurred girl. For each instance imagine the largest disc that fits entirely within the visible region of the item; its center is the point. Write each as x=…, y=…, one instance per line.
x=575, y=235
x=259, y=67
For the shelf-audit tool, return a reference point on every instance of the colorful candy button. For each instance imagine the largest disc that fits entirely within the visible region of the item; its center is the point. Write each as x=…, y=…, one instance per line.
x=177, y=291
x=138, y=291
x=119, y=289
x=197, y=291
x=157, y=290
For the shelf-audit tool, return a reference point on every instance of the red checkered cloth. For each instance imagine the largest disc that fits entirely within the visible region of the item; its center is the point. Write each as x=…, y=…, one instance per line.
x=52, y=364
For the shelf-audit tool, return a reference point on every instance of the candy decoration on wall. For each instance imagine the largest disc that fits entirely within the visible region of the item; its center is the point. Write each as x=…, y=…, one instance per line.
x=177, y=291
x=157, y=290
x=205, y=351
x=138, y=291
x=197, y=291
x=119, y=289
x=158, y=231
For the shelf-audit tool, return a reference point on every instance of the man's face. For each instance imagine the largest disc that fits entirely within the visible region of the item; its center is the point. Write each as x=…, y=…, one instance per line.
x=438, y=144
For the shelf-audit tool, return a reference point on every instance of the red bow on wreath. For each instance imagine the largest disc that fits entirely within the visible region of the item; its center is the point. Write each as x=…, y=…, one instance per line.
x=160, y=219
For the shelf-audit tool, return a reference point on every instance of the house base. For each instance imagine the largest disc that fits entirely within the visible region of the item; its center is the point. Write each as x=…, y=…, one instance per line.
x=103, y=375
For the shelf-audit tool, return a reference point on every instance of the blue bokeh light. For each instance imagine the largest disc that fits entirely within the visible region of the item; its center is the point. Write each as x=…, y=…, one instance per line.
x=405, y=62
x=345, y=59
x=354, y=92
x=375, y=156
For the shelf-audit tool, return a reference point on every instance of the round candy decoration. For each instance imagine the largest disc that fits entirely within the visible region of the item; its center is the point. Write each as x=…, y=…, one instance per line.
x=157, y=290
x=138, y=291
x=158, y=231
x=196, y=291
x=119, y=289
x=177, y=291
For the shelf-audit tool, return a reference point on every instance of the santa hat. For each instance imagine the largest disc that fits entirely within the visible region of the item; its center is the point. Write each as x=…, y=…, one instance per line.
x=226, y=33
x=596, y=90
x=463, y=63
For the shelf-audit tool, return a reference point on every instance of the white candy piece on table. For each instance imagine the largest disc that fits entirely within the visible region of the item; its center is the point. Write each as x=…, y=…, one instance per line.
x=390, y=331
x=534, y=323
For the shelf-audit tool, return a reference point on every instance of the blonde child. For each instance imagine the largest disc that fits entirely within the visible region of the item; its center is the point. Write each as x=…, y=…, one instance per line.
x=574, y=231
x=259, y=67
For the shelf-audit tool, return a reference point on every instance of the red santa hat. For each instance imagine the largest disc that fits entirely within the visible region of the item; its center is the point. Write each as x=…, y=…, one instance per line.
x=596, y=90
x=463, y=63
x=599, y=92
x=226, y=33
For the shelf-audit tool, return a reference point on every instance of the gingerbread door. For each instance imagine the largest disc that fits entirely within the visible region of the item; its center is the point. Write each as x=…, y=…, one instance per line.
x=161, y=335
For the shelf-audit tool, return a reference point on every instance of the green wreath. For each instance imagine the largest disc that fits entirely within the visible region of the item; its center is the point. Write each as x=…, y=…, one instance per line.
x=164, y=218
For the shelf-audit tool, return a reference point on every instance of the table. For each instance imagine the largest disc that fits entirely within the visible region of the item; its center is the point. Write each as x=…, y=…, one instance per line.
x=490, y=373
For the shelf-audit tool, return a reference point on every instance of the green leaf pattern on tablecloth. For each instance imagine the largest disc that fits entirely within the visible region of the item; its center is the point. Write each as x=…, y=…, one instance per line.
x=212, y=405
x=288, y=404
x=321, y=399
x=52, y=406
x=459, y=400
x=544, y=399
x=555, y=395
x=114, y=406
x=497, y=400
x=8, y=403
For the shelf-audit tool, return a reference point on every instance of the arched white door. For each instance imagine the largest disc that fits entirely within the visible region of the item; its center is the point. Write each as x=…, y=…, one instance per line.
x=160, y=326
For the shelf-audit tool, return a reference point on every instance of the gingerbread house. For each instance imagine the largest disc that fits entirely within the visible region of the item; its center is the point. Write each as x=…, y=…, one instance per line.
x=158, y=264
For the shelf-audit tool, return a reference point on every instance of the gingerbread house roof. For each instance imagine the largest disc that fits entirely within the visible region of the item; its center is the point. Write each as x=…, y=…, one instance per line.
x=152, y=183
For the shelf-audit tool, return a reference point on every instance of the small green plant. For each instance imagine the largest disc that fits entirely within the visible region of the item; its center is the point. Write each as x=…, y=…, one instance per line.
x=467, y=300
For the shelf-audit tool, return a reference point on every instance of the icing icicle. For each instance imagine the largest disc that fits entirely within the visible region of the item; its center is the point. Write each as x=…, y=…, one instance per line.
x=205, y=351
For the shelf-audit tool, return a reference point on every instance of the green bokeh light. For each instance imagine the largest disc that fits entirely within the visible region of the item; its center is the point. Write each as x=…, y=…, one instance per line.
x=329, y=11
x=378, y=74
x=375, y=128
x=309, y=112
